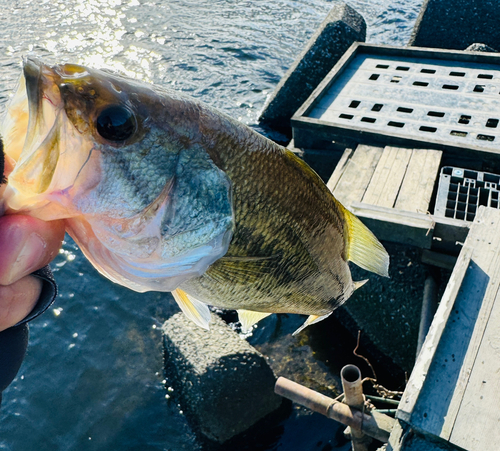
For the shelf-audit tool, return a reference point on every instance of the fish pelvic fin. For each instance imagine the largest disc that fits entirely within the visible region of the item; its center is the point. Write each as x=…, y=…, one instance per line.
x=248, y=318
x=195, y=310
x=312, y=319
x=363, y=247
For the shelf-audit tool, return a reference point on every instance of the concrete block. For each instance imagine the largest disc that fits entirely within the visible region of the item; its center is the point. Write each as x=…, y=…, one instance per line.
x=478, y=47
x=224, y=386
x=457, y=24
x=339, y=30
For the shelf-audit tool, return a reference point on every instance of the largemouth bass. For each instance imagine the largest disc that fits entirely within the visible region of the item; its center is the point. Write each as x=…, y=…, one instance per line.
x=162, y=192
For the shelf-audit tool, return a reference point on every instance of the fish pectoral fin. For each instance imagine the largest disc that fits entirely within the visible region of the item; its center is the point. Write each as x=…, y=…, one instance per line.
x=248, y=318
x=363, y=248
x=248, y=269
x=313, y=319
x=359, y=284
x=195, y=310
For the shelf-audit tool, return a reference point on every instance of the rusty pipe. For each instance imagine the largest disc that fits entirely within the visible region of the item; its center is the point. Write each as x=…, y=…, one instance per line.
x=352, y=386
x=375, y=425
x=353, y=397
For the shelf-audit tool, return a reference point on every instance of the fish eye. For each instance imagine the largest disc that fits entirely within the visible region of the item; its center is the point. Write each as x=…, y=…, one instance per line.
x=116, y=123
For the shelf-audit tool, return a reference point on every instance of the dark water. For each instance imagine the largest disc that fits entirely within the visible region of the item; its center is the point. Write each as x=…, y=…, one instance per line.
x=92, y=378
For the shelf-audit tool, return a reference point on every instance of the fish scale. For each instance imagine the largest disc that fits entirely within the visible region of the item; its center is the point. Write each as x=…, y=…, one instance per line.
x=285, y=212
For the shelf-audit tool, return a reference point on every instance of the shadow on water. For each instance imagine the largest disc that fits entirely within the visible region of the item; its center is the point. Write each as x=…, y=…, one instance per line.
x=298, y=429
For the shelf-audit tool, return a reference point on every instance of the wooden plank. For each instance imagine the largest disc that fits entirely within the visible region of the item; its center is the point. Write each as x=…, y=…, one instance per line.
x=339, y=170
x=473, y=417
x=462, y=349
x=388, y=224
x=450, y=234
x=478, y=415
x=418, y=184
x=388, y=176
x=412, y=394
x=357, y=174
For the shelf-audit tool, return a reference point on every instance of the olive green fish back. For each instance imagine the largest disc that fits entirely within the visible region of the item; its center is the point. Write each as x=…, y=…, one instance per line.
x=288, y=252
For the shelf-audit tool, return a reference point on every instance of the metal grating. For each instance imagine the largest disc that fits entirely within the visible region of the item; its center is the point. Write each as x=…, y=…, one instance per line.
x=451, y=102
x=462, y=191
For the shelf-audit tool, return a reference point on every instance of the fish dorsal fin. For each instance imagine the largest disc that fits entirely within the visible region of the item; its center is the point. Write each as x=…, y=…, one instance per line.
x=363, y=248
x=248, y=318
x=312, y=319
x=195, y=310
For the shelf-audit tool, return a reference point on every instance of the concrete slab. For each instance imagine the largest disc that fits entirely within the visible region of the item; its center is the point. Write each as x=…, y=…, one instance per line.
x=404, y=438
x=478, y=47
x=457, y=25
x=223, y=385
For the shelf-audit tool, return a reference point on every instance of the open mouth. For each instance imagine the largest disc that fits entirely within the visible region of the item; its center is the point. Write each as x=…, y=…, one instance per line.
x=30, y=129
x=49, y=154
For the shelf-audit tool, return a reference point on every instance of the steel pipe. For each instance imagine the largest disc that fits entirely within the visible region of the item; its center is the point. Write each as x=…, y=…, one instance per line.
x=375, y=425
x=429, y=307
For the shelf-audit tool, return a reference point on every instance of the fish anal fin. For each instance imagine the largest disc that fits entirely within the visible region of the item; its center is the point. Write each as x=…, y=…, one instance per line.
x=359, y=283
x=248, y=318
x=195, y=310
x=312, y=319
x=363, y=247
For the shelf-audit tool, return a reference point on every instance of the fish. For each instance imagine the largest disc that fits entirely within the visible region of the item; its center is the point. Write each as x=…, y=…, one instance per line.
x=162, y=192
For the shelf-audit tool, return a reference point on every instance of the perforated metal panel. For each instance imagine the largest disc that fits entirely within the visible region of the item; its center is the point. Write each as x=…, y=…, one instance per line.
x=462, y=191
x=421, y=98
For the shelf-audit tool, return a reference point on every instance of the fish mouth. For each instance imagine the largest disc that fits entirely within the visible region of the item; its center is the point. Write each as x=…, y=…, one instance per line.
x=42, y=93
x=30, y=130
x=38, y=138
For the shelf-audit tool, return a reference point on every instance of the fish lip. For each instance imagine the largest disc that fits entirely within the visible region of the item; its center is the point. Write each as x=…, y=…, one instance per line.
x=39, y=97
x=32, y=70
x=39, y=78
x=41, y=84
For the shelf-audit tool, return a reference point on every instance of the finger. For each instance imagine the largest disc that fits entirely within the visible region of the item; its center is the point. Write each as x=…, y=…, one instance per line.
x=27, y=244
x=18, y=299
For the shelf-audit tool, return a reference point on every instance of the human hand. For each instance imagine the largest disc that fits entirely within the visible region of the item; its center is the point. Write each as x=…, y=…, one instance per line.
x=26, y=245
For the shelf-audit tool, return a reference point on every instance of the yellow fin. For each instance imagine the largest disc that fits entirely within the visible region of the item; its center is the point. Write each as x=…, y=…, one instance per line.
x=248, y=318
x=313, y=319
x=359, y=283
x=195, y=310
x=363, y=248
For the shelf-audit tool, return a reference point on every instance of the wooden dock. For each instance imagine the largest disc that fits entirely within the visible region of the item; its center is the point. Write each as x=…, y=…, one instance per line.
x=399, y=116
x=390, y=189
x=452, y=400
